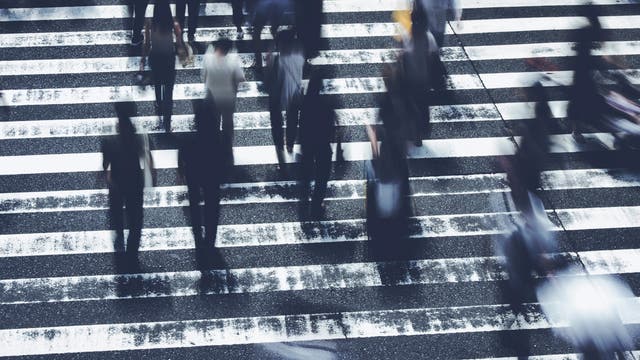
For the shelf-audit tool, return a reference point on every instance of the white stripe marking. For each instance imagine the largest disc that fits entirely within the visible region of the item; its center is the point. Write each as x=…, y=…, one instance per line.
x=283, y=328
x=224, y=9
x=337, y=86
x=287, y=191
x=85, y=242
x=122, y=37
x=260, y=120
x=292, y=278
x=262, y=155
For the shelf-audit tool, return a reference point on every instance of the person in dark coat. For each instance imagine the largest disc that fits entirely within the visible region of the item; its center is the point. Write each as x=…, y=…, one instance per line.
x=161, y=53
x=309, y=19
x=122, y=156
x=317, y=129
x=269, y=12
x=238, y=7
x=139, y=8
x=200, y=163
x=194, y=12
x=585, y=103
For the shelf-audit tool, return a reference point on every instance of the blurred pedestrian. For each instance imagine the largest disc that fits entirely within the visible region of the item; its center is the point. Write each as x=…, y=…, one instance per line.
x=139, y=8
x=419, y=55
x=317, y=129
x=309, y=19
x=161, y=53
x=523, y=171
x=285, y=88
x=587, y=312
x=239, y=7
x=201, y=165
x=122, y=156
x=222, y=74
x=269, y=12
x=439, y=12
x=586, y=106
x=194, y=12
x=388, y=206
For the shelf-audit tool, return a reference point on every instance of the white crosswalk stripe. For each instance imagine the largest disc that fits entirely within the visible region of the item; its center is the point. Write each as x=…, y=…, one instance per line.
x=282, y=278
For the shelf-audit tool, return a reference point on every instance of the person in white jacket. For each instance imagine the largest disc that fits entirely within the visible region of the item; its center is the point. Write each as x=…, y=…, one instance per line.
x=439, y=12
x=222, y=74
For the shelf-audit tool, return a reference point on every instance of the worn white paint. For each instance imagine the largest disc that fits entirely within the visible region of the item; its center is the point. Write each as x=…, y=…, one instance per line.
x=260, y=120
x=83, y=242
x=287, y=191
x=266, y=329
x=292, y=278
x=122, y=37
x=224, y=9
x=326, y=57
x=261, y=155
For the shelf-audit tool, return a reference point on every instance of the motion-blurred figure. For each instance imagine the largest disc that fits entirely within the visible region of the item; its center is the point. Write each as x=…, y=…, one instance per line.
x=161, y=53
x=309, y=19
x=201, y=164
x=439, y=12
x=585, y=104
x=420, y=54
x=194, y=12
x=269, y=12
x=238, y=7
x=122, y=156
x=317, y=128
x=284, y=83
x=388, y=206
x=222, y=74
x=139, y=8
x=588, y=311
x=523, y=171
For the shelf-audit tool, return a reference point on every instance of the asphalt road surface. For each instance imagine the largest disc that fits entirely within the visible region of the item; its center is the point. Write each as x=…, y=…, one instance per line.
x=289, y=288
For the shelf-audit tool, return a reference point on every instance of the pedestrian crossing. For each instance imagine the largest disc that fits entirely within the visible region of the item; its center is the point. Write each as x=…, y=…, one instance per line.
x=283, y=280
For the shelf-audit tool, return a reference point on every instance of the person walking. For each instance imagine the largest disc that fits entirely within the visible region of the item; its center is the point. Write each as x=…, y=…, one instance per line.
x=139, y=8
x=290, y=69
x=222, y=74
x=317, y=128
x=420, y=53
x=439, y=12
x=122, y=157
x=161, y=53
x=238, y=7
x=201, y=166
x=194, y=12
x=269, y=12
x=309, y=19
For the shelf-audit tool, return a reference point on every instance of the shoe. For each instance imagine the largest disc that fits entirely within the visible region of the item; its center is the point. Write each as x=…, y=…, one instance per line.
x=136, y=39
x=289, y=149
x=240, y=35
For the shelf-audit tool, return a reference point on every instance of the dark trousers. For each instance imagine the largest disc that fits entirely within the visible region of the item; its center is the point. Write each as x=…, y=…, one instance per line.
x=131, y=199
x=164, y=77
x=210, y=193
x=139, y=9
x=316, y=165
x=194, y=12
x=238, y=7
x=275, y=115
x=261, y=17
x=293, y=118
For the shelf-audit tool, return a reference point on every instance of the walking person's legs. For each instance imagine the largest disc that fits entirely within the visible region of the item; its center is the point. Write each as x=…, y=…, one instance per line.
x=181, y=6
x=238, y=16
x=139, y=10
x=133, y=200
x=116, y=221
x=293, y=115
x=194, y=13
